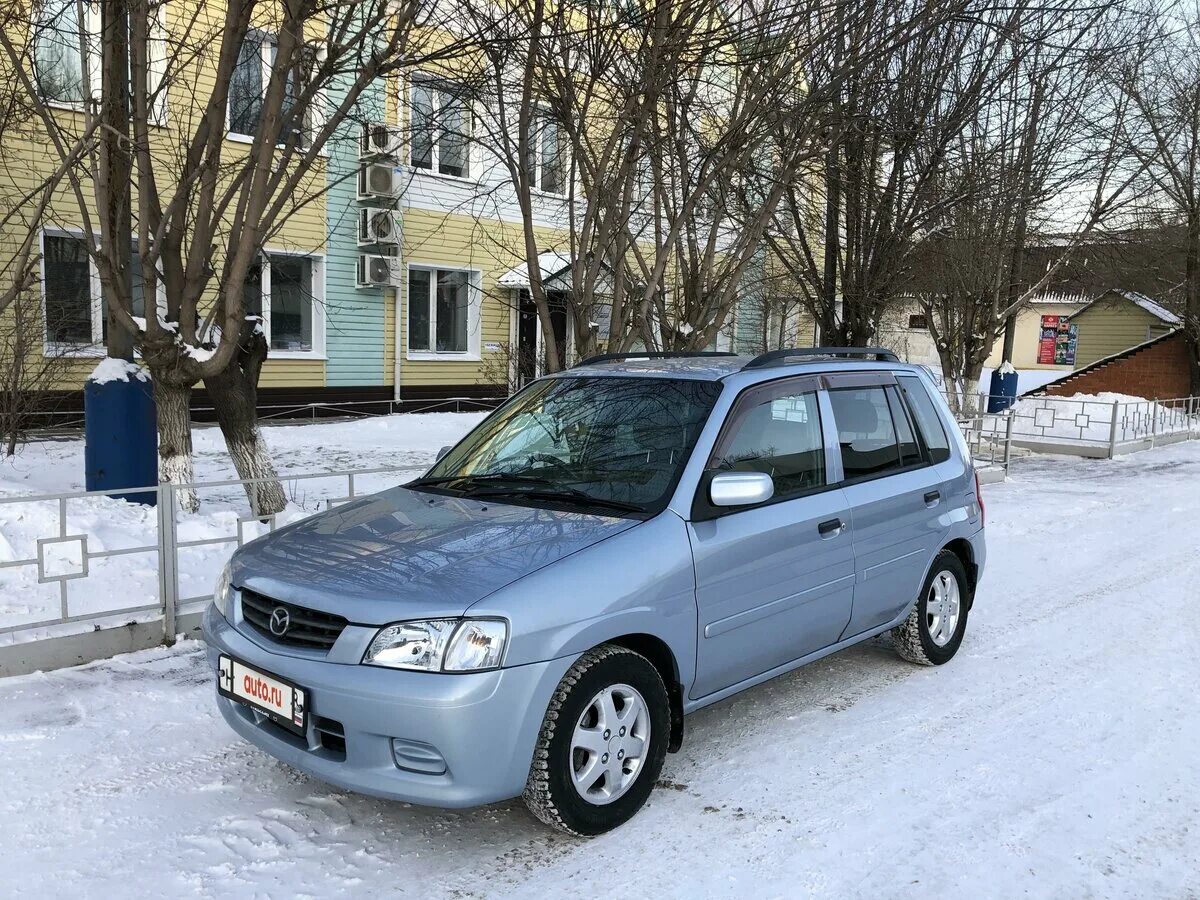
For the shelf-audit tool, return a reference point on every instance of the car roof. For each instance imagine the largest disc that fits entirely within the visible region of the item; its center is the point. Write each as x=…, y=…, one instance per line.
x=719, y=368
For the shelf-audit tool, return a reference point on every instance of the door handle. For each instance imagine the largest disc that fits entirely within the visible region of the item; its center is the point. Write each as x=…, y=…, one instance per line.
x=932, y=497
x=830, y=527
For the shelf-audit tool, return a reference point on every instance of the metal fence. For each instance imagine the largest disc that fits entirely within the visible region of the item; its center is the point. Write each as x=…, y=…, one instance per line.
x=77, y=568
x=87, y=573
x=989, y=440
x=1091, y=427
x=69, y=419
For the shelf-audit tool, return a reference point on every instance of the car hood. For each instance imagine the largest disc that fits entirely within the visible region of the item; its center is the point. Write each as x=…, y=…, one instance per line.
x=407, y=554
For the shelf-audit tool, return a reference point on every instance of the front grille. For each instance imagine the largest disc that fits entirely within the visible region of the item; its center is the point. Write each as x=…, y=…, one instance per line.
x=306, y=627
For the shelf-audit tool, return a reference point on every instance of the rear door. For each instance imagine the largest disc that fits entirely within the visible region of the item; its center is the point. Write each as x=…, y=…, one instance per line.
x=774, y=582
x=894, y=492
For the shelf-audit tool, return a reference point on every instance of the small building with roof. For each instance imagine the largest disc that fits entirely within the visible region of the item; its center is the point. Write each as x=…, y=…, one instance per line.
x=1118, y=320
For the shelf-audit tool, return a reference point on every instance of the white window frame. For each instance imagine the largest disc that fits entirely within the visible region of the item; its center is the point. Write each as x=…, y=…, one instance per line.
x=96, y=347
x=91, y=76
x=318, y=301
x=56, y=348
x=317, y=113
x=473, y=162
x=542, y=115
x=474, y=313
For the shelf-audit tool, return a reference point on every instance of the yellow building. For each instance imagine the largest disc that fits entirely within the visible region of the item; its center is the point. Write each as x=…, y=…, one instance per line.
x=1118, y=320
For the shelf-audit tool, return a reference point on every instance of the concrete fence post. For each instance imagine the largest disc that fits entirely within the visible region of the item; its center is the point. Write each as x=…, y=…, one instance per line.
x=1112, y=430
x=168, y=560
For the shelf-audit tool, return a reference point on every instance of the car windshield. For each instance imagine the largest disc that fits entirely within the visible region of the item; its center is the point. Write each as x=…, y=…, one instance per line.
x=615, y=444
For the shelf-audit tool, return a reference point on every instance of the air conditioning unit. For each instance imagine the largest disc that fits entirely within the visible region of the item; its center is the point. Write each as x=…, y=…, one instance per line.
x=379, y=271
x=378, y=226
x=378, y=139
x=378, y=180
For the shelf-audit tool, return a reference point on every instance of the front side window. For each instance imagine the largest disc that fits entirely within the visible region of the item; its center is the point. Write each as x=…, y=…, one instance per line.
x=441, y=128
x=779, y=435
x=607, y=444
x=57, y=53
x=866, y=432
x=439, y=310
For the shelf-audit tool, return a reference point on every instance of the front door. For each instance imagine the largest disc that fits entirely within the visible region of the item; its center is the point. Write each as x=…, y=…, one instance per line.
x=527, y=340
x=773, y=582
x=532, y=352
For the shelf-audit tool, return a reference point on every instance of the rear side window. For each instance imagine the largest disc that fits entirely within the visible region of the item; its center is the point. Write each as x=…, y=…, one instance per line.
x=910, y=450
x=781, y=437
x=866, y=432
x=929, y=423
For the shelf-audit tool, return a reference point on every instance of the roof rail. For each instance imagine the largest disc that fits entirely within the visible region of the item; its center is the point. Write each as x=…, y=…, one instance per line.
x=651, y=354
x=778, y=357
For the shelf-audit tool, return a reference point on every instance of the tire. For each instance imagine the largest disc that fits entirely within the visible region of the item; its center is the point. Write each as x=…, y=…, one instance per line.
x=575, y=713
x=927, y=636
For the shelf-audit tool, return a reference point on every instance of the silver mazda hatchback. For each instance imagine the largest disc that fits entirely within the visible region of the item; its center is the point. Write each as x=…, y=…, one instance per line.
x=615, y=547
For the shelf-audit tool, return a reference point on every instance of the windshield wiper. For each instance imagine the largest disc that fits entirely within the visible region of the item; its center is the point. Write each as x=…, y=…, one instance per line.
x=485, y=478
x=560, y=493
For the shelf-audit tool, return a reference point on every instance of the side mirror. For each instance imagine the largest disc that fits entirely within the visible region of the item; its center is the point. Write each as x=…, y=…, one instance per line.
x=740, y=488
x=443, y=452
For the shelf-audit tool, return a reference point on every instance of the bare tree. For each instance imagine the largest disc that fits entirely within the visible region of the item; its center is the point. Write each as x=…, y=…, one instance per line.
x=1162, y=84
x=27, y=375
x=897, y=110
x=202, y=208
x=1037, y=155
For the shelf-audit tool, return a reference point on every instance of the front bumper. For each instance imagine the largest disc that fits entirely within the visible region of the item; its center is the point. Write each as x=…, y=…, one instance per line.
x=484, y=725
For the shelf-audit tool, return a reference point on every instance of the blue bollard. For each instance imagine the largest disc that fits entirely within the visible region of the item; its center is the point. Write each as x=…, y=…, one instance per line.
x=120, y=427
x=1003, y=391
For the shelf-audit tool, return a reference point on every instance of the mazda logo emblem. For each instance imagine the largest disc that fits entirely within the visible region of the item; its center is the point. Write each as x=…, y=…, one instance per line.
x=280, y=621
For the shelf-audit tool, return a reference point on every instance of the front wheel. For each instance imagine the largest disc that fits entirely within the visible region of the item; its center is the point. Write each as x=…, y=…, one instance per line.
x=933, y=631
x=602, y=743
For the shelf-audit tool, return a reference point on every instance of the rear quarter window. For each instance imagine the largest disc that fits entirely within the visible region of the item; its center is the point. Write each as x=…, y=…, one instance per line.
x=925, y=413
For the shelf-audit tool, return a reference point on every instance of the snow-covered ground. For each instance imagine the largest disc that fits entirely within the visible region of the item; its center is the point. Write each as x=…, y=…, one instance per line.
x=1053, y=757
x=129, y=581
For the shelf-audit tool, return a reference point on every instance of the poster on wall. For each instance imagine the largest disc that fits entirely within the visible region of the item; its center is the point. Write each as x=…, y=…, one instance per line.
x=1057, y=343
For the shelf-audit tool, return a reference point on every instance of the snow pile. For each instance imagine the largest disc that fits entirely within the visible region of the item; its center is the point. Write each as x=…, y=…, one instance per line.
x=1048, y=759
x=111, y=370
x=409, y=441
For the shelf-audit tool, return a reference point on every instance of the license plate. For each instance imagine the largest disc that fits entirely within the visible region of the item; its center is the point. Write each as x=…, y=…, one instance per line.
x=282, y=701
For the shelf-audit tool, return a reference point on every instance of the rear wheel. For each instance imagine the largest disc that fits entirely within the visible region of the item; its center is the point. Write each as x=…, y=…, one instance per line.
x=933, y=631
x=602, y=743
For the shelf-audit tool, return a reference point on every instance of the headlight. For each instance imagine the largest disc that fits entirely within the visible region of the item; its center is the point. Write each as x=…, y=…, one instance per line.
x=439, y=645
x=223, y=592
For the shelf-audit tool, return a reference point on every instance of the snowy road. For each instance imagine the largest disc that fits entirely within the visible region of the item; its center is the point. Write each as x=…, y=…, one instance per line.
x=1054, y=757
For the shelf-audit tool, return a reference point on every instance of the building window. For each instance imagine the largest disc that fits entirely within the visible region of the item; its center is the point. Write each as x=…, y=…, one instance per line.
x=545, y=157
x=440, y=303
x=918, y=322
x=248, y=85
x=58, y=59
x=74, y=305
x=286, y=292
x=441, y=128
x=67, y=285
x=62, y=44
